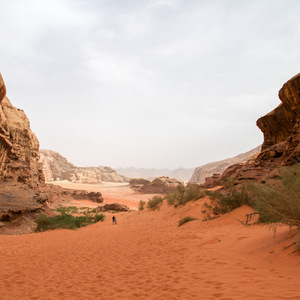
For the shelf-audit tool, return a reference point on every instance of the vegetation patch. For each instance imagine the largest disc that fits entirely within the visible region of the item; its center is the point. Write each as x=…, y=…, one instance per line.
x=155, y=202
x=66, y=221
x=69, y=209
x=225, y=202
x=185, y=220
x=183, y=194
x=141, y=205
x=279, y=203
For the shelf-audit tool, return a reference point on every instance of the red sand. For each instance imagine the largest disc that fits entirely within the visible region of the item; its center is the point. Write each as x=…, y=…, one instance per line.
x=147, y=256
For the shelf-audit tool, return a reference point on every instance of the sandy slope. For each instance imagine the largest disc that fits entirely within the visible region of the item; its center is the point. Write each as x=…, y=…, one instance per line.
x=146, y=256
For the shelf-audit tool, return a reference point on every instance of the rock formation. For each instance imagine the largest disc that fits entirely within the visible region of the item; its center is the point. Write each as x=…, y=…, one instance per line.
x=56, y=168
x=57, y=195
x=23, y=192
x=21, y=175
x=180, y=173
x=19, y=152
x=217, y=167
x=113, y=206
x=158, y=185
x=281, y=147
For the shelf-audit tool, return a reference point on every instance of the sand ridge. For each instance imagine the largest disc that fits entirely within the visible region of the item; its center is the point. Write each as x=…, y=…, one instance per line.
x=147, y=256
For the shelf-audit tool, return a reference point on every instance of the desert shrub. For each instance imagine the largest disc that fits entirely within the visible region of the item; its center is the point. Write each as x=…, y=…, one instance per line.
x=183, y=194
x=69, y=209
x=155, y=202
x=281, y=202
x=65, y=221
x=99, y=217
x=141, y=205
x=185, y=220
x=225, y=202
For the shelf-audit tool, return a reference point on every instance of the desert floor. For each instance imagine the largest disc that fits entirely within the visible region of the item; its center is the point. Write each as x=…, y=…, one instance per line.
x=111, y=192
x=147, y=256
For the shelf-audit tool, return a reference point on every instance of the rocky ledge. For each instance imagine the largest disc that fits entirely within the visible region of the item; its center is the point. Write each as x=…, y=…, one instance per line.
x=281, y=147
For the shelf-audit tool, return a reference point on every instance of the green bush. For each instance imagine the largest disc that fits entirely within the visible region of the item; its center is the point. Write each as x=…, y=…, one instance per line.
x=65, y=221
x=183, y=194
x=224, y=202
x=98, y=218
x=185, y=220
x=281, y=202
x=69, y=209
x=141, y=205
x=155, y=202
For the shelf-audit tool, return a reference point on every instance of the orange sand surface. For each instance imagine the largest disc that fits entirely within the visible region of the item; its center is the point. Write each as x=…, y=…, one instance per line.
x=147, y=256
x=111, y=192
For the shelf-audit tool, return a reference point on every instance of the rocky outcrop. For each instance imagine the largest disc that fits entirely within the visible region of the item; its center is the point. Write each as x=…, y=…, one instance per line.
x=56, y=168
x=180, y=173
x=214, y=168
x=113, y=207
x=19, y=147
x=21, y=176
x=158, y=185
x=281, y=147
x=57, y=195
x=278, y=125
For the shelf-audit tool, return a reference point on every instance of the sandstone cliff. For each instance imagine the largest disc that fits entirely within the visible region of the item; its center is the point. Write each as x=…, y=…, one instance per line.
x=56, y=167
x=281, y=147
x=19, y=152
x=218, y=167
x=21, y=175
x=23, y=192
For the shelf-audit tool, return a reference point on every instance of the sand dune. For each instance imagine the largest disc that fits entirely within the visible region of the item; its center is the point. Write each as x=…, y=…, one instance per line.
x=147, y=256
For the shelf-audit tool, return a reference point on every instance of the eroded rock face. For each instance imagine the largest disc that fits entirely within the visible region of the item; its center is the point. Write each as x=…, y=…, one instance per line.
x=219, y=167
x=281, y=123
x=162, y=184
x=21, y=175
x=56, y=168
x=19, y=147
x=58, y=195
x=281, y=145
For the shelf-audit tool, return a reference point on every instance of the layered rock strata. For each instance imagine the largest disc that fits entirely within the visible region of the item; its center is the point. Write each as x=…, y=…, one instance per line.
x=21, y=175
x=56, y=168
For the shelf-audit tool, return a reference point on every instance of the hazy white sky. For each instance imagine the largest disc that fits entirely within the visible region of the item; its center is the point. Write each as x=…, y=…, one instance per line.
x=158, y=83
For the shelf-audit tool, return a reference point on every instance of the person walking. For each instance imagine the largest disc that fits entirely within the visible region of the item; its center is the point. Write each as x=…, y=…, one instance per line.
x=114, y=220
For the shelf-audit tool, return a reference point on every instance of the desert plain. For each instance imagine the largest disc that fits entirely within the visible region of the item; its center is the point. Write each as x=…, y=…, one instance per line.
x=147, y=256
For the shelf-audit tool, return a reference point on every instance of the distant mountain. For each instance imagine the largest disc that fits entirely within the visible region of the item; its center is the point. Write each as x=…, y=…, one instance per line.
x=180, y=173
x=56, y=167
x=209, y=169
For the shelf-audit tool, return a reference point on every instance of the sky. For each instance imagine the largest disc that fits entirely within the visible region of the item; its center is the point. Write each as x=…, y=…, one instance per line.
x=157, y=83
